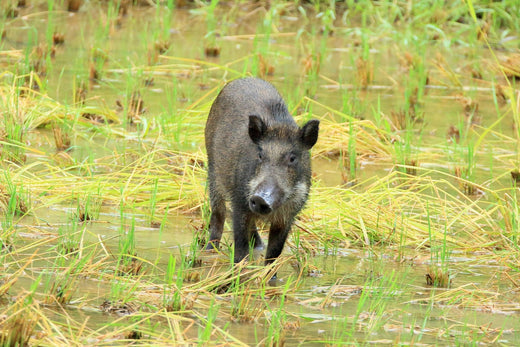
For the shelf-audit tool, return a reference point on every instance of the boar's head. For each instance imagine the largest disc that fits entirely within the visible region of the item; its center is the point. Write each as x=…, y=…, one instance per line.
x=282, y=175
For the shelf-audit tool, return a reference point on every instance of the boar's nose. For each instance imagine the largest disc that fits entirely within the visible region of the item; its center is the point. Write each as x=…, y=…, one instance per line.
x=259, y=205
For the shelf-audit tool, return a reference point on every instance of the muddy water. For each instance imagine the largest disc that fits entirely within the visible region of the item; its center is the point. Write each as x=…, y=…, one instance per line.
x=339, y=301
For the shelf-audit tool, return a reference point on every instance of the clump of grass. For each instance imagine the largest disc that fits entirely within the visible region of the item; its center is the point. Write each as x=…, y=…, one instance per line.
x=245, y=307
x=176, y=304
x=515, y=176
x=453, y=134
x=364, y=72
x=193, y=276
x=470, y=109
x=134, y=107
x=409, y=116
x=211, y=49
x=501, y=95
x=306, y=269
x=98, y=58
x=464, y=175
x=14, y=201
x=312, y=64
x=79, y=93
x=264, y=67
x=364, y=65
x=88, y=209
x=40, y=58
x=8, y=280
x=404, y=119
x=303, y=251
x=192, y=259
x=74, y=5
x=205, y=332
x=437, y=277
x=130, y=265
x=351, y=164
x=378, y=291
x=405, y=156
x=510, y=212
x=277, y=320
x=160, y=47
x=123, y=7
x=153, y=222
x=200, y=235
x=63, y=159
x=176, y=299
x=15, y=116
x=128, y=261
x=119, y=307
x=445, y=70
x=465, y=150
x=71, y=236
x=11, y=200
x=58, y=38
x=60, y=291
x=11, y=12
x=19, y=323
x=134, y=335
x=122, y=300
x=67, y=245
x=30, y=83
x=510, y=66
x=61, y=138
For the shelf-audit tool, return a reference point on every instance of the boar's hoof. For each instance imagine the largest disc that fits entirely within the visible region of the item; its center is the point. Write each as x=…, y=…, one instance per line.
x=259, y=205
x=212, y=246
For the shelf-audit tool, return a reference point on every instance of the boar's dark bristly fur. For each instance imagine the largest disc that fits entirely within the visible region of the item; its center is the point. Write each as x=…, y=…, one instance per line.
x=259, y=161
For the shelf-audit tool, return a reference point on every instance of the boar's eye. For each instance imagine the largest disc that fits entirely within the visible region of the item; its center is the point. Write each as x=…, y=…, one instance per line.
x=260, y=154
x=292, y=158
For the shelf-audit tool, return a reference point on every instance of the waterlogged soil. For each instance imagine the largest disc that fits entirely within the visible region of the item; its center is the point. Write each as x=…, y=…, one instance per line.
x=345, y=294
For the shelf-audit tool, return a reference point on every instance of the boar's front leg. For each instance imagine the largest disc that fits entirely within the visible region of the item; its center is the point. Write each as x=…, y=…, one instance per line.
x=243, y=230
x=277, y=236
x=255, y=237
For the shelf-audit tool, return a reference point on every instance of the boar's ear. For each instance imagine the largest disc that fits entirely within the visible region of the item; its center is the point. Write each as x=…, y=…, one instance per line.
x=309, y=133
x=257, y=128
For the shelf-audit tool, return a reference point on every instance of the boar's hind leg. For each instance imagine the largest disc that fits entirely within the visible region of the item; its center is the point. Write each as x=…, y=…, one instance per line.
x=216, y=222
x=277, y=236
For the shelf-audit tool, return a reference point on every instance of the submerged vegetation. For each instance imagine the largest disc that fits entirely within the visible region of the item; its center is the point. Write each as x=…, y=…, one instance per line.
x=412, y=230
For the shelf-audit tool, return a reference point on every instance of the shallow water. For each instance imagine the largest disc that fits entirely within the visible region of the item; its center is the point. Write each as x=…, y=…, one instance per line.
x=372, y=296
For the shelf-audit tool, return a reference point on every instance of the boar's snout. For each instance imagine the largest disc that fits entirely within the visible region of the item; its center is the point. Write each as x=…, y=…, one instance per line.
x=265, y=199
x=259, y=205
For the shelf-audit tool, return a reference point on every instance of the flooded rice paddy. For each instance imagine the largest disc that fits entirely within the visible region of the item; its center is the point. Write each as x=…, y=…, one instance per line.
x=410, y=235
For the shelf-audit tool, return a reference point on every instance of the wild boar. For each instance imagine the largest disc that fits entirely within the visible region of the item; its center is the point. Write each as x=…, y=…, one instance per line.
x=259, y=161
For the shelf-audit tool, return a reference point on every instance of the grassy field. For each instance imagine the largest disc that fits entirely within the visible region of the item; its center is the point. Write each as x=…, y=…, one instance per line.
x=411, y=233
